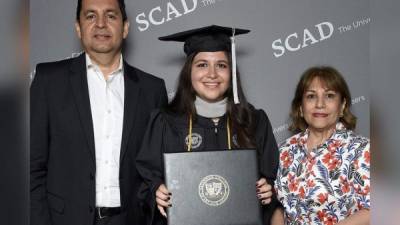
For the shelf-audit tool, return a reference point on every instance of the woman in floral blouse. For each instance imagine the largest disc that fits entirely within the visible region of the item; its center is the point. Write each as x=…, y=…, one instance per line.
x=323, y=175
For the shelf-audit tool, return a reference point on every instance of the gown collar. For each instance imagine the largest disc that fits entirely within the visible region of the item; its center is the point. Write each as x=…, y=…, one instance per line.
x=210, y=110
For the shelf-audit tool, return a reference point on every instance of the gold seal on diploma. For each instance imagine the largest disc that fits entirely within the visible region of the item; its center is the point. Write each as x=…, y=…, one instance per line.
x=213, y=190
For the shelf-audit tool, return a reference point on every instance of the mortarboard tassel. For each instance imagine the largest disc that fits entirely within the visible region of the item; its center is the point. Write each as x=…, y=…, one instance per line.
x=234, y=78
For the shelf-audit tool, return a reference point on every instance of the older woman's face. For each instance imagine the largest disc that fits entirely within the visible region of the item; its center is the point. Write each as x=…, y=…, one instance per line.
x=321, y=107
x=210, y=75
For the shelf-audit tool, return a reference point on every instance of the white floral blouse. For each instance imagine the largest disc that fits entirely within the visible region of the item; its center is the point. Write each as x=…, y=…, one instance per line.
x=327, y=184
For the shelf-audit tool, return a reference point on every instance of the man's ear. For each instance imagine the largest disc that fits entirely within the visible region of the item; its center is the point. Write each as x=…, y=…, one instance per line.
x=126, y=29
x=78, y=29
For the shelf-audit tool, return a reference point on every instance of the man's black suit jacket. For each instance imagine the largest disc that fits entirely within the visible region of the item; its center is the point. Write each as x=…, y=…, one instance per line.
x=62, y=157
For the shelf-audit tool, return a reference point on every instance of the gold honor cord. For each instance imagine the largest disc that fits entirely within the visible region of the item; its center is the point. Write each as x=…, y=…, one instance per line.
x=190, y=133
x=228, y=133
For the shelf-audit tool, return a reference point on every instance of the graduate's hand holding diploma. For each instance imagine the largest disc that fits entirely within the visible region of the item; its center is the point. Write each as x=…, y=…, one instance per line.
x=163, y=197
x=264, y=191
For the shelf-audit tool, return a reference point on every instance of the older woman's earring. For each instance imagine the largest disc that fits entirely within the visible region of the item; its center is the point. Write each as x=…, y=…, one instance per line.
x=301, y=113
x=341, y=113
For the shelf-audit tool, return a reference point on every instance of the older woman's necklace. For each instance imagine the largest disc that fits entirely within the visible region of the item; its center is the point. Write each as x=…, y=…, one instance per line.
x=315, y=140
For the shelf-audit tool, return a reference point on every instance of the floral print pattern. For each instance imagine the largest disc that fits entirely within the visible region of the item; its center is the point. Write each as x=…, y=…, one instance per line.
x=327, y=184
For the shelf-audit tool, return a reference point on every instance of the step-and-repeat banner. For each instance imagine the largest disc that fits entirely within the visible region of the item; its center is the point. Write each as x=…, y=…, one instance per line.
x=286, y=38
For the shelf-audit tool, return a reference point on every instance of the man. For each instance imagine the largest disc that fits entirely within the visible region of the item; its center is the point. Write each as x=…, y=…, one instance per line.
x=88, y=116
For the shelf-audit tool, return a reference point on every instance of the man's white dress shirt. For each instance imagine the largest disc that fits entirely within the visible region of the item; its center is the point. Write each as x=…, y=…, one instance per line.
x=107, y=106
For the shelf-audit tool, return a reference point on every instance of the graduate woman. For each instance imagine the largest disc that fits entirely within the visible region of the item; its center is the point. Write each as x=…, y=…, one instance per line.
x=209, y=112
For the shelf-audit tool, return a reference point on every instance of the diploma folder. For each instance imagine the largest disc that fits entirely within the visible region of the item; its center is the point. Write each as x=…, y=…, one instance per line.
x=213, y=188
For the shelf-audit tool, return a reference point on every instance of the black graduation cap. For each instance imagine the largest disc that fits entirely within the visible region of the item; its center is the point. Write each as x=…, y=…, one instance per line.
x=210, y=39
x=205, y=39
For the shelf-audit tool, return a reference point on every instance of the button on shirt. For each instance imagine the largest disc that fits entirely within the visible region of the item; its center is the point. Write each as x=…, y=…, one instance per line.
x=107, y=106
x=327, y=184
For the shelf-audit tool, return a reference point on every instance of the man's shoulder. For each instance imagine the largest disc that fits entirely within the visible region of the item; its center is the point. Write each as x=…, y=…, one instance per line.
x=59, y=67
x=58, y=64
x=54, y=70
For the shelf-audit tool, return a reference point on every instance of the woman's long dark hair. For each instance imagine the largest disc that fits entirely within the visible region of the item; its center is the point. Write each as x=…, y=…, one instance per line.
x=241, y=116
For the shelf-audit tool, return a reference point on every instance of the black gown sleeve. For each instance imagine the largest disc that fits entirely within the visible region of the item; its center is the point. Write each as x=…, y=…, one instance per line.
x=268, y=155
x=39, y=147
x=149, y=164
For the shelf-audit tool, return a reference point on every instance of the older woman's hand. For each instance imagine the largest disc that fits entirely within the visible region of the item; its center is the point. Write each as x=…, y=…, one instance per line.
x=264, y=191
x=163, y=197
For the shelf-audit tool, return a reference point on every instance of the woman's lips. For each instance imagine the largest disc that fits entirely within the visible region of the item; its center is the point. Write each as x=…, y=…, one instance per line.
x=320, y=114
x=211, y=84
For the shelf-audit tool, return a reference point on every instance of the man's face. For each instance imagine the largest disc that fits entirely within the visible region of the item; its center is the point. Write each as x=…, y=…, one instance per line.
x=101, y=27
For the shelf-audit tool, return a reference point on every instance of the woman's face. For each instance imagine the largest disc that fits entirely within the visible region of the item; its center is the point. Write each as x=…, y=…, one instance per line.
x=210, y=75
x=321, y=107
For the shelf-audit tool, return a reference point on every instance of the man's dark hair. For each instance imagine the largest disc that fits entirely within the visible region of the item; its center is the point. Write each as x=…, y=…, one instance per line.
x=121, y=4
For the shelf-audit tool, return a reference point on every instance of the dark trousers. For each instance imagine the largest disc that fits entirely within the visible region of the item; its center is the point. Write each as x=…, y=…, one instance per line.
x=119, y=219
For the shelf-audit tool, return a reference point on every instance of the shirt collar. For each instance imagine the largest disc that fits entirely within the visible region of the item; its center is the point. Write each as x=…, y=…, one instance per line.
x=336, y=135
x=90, y=64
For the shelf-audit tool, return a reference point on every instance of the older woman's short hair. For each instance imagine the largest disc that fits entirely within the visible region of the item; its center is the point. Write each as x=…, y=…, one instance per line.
x=333, y=80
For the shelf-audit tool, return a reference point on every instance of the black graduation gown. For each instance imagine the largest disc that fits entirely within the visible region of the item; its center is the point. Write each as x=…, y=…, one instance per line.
x=167, y=132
